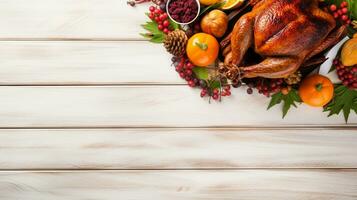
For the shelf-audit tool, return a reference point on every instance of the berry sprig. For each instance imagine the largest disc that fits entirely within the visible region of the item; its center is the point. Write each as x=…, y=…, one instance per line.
x=214, y=87
x=216, y=93
x=161, y=18
x=184, y=68
x=348, y=75
x=341, y=12
x=267, y=87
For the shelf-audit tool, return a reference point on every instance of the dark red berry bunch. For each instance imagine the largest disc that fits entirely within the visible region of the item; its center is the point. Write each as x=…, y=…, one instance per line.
x=216, y=93
x=266, y=86
x=184, y=67
x=348, y=75
x=161, y=18
x=341, y=12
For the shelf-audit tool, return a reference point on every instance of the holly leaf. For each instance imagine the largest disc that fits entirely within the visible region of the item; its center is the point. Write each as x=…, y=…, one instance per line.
x=201, y=73
x=345, y=100
x=158, y=38
x=154, y=35
x=289, y=100
x=275, y=99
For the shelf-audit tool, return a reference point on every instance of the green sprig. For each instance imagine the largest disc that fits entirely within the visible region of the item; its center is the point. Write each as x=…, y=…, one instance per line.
x=345, y=100
x=289, y=100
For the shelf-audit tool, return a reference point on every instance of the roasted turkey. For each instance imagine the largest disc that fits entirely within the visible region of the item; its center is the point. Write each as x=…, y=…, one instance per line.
x=286, y=33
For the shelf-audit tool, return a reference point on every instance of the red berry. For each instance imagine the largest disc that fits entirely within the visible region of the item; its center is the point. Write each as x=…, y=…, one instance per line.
x=215, y=96
x=151, y=16
x=335, y=15
x=343, y=4
x=339, y=11
x=344, y=17
x=250, y=91
x=157, y=19
x=215, y=91
x=188, y=72
x=203, y=93
x=182, y=75
x=189, y=65
x=224, y=94
x=166, y=23
x=163, y=16
x=348, y=21
x=188, y=78
x=191, y=83
x=157, y=11
x=166, y=30
x=160, y=27
x=333, y=7
x=345, y=82
x=344, y=10
x=227, y=87
x=178, y=69
x=335, y=62
x=354, y=85
x=228, y=93
x=152, y=8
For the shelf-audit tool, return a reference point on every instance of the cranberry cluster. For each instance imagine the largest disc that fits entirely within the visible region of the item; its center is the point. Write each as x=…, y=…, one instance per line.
x=161, y=18
x=216, y=93
x=348, y=75
x=341, y=12
x=266, y=86
x=184, y=68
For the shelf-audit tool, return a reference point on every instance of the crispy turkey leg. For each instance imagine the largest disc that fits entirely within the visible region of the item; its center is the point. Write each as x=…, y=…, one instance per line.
x=272, y=67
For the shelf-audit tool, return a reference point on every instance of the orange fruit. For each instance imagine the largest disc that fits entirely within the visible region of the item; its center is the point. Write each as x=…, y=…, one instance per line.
x=231, y=4
x=316, y=90
x=209, y=2
x=202, y=49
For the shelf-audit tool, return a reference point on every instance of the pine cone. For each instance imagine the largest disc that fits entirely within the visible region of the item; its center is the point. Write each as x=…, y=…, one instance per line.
x=175, y=42
x=294, y=78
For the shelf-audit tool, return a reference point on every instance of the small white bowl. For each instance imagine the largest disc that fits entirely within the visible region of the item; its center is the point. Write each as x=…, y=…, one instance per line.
x=198, y=13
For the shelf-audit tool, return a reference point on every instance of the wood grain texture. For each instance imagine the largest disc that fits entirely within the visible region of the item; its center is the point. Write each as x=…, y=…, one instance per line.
x=145, y=106
x=177, y=148
x=177, y=185
x=70, y=19
x=81, y=62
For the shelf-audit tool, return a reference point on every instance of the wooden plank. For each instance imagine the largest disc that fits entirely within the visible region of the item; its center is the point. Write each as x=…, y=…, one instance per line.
x=70, y=19
x=175, y=185
x=177, y=148
x=146, y=106
x=80, y=62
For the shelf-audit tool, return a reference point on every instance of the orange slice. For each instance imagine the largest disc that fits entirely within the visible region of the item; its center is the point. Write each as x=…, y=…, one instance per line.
x=231, y=4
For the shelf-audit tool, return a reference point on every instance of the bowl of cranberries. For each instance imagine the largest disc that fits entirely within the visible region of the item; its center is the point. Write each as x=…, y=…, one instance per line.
x=183, y=11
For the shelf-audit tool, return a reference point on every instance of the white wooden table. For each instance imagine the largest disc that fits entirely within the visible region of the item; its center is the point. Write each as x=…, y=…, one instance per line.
x=88, y=110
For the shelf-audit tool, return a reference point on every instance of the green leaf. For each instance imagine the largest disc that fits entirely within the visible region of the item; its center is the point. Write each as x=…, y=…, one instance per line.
x=211, y=7
x=201, y=73
x=158, y=38
x=215, y=84
x=344, y=100
x=275, y=99
x=155, y=35
x=289, y=100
